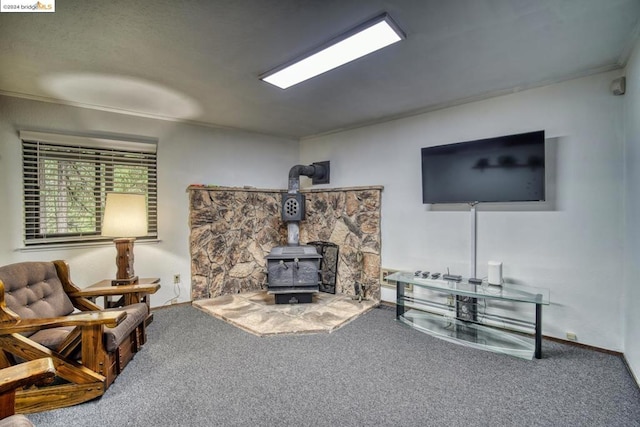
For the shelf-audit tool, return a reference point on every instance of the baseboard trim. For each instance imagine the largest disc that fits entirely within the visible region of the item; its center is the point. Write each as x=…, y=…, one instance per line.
x=585, y=346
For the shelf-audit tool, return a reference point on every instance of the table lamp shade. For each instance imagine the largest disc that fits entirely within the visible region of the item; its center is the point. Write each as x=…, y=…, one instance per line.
x=125, y=215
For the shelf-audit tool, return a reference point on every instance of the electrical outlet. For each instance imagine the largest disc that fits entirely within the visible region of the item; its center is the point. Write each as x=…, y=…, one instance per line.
x=384, y=272
x=571, y=336
x=176, y=279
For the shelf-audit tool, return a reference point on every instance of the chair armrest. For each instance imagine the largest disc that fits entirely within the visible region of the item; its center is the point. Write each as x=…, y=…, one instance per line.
x=91, y=318
x=100, y=291
x=26, y=373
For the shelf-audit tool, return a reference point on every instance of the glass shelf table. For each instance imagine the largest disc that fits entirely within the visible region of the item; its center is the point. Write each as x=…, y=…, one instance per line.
x=459, y=323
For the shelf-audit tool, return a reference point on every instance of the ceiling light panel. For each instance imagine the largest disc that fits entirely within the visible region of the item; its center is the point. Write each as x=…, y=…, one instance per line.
x=366, y=38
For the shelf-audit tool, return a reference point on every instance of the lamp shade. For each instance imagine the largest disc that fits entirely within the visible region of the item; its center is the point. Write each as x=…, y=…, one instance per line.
x=125, y=215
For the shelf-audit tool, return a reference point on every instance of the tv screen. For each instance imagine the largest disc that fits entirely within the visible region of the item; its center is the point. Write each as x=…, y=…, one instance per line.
x=503, y=169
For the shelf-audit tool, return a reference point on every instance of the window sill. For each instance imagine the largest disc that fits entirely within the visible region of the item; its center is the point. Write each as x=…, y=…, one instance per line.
x=79, y=245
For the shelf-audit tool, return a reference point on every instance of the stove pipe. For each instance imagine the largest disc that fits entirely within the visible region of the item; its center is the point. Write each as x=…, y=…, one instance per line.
x=293, y=201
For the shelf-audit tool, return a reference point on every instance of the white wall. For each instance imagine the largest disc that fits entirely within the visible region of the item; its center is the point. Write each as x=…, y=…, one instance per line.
x=632, y=199
x=187, y=154
x=571, y=244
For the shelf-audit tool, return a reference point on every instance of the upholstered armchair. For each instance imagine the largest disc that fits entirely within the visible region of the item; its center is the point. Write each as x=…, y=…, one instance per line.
x=43, y=314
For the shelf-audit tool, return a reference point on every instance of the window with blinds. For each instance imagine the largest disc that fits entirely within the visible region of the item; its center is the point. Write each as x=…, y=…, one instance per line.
x=66, y=178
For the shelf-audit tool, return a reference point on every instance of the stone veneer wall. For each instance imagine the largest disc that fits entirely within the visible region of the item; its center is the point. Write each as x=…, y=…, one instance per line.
x=233, y=229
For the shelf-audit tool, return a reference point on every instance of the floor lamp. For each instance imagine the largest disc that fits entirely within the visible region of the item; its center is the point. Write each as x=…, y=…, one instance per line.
x=125, y=218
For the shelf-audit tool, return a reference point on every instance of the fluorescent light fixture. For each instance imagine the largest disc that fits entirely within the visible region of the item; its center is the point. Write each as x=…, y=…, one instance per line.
x=368, y=37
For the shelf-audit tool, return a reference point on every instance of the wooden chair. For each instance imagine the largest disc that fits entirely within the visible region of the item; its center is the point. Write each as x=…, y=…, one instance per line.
x=88, y=348
x=14, y=377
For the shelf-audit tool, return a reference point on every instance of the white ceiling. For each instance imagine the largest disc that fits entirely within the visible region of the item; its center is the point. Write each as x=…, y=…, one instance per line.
x=198, y=60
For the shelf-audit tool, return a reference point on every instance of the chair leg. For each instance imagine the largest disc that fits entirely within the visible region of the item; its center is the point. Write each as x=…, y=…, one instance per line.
x=7, y=403
x=143, y=333
x=94, y=355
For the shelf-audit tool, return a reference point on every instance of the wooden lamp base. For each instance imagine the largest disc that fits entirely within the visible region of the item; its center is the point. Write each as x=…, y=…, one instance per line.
x=124, y=262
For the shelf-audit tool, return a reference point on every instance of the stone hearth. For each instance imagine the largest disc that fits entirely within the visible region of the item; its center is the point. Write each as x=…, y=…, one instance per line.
x=257, y=313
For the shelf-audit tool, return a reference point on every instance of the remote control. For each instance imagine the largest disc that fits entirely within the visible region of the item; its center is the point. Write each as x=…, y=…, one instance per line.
x=425, y=274
x=454, y=277
x=417, y=273
x=475, y=281
x=435, y=275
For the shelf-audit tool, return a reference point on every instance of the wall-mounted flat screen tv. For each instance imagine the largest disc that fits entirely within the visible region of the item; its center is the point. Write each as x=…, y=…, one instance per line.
x=503, y=169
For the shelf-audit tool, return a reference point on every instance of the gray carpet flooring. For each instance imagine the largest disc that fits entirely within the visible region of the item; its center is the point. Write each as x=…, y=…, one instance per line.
x=197, y=370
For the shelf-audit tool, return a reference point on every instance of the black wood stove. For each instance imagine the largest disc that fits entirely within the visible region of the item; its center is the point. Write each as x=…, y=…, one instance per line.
x=293, y=270
x=293, y=273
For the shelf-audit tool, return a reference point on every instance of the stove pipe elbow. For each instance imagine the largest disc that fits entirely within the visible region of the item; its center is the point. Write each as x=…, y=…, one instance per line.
x=298, y=170
x=315, y=171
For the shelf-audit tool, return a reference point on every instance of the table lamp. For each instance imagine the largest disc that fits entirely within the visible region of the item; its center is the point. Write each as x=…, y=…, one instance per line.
x=125, y=218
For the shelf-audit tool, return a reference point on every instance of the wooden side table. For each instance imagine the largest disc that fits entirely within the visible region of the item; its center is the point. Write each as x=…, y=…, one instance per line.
x=135, y=293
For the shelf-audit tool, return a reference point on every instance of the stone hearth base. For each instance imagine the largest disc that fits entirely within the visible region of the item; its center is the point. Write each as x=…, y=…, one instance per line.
x=257, y=312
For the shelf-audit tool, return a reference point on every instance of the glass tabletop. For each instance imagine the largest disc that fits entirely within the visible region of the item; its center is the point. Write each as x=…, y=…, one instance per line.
x=509, y=292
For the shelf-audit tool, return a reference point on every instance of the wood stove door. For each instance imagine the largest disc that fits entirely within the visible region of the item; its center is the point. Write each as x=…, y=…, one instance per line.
x=280, y=273
x=306, y=272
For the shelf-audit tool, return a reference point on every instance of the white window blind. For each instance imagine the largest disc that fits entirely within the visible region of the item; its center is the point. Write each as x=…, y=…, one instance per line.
x=66, y=178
